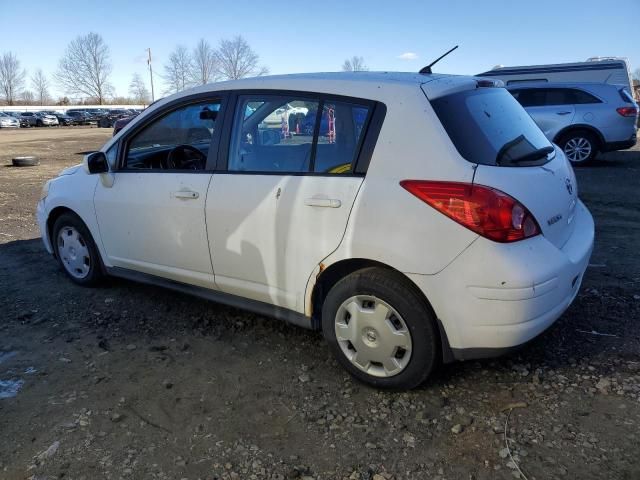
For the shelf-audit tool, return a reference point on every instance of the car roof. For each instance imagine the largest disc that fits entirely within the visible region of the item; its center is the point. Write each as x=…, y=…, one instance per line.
x=370, y=85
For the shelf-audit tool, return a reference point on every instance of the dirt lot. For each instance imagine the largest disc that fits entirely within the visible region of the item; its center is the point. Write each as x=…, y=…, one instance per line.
x=130, y=381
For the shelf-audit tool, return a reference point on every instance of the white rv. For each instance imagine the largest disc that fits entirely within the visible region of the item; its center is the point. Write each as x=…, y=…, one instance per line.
x=613, y=70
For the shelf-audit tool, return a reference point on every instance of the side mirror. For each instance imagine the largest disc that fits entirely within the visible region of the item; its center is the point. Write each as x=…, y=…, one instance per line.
x=96, y=162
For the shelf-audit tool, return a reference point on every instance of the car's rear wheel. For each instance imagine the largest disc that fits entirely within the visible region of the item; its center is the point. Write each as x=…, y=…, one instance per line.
x=380, y=329
x=76, y=251
x=580, y=146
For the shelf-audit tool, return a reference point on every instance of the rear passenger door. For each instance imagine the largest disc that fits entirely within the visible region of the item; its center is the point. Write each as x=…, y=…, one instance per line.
x=281, y=204
x=551, y=108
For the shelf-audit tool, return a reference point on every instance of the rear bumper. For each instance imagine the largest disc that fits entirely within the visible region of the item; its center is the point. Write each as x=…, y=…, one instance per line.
x=494, y=297
x=611, y=146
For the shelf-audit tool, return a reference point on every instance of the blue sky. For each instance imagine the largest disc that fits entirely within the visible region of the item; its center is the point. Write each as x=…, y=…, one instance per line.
x=298, y=36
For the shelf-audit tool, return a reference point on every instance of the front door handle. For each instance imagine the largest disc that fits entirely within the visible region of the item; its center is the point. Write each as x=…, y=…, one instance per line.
x=323, y=202
x=185, y=194
x=563, y=113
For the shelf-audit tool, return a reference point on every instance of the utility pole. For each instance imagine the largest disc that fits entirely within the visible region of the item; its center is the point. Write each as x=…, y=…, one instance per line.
x=150, y=75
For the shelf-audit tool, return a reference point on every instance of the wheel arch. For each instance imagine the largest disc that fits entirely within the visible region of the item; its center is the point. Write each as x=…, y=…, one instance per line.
x=54, y=214
x=581, y=126
x=330, y=275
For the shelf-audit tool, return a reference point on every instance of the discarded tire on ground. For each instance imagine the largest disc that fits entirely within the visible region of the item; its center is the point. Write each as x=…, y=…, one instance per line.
x=25, y=161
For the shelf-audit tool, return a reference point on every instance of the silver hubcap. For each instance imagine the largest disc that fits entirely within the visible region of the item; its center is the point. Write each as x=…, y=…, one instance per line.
x=578, y=149
x=74, y=252
x=373, y=336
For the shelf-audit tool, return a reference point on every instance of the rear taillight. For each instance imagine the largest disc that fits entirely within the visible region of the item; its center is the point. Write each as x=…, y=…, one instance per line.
x=484, y=210
x=627, y=111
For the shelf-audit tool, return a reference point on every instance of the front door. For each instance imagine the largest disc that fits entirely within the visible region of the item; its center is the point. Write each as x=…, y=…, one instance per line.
x=283, y=203
x=152, y=218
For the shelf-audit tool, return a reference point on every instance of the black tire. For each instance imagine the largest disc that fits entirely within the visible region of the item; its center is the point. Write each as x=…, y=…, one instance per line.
x=396, y=291
x=95, y=273
x=39, y=124
x=569, y=139
x=25, y=161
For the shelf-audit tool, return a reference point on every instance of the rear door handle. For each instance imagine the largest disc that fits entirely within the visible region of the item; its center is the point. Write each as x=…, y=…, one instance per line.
x=563, y=113
x=185, y=194
x=323, y=202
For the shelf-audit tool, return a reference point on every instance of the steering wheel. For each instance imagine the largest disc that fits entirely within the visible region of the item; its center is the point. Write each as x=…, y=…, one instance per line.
x=176, y=158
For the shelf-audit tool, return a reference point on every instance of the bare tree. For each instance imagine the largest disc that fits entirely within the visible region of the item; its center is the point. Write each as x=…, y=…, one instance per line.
x=354, y=64
x=11, y=77
x=40, y=85
x=177, y=72
x=85, y=67
x=138, y=90
x=636, y=74
x=28, y=98
x=236, y=59
x=204, y=63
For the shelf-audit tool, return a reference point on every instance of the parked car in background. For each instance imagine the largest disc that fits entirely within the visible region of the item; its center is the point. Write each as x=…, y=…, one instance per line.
x=121, y=123
x=23, y=122
x=46, y=120
x=29, y=119
x=8, y=121
x=108, y=120
x=81, y=117
x=434, y=221
x=582, y=118
x=63, y=119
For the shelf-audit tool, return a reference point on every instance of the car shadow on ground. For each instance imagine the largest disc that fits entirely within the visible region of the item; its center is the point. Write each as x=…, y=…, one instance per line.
x=617, y=159
x=126, y=310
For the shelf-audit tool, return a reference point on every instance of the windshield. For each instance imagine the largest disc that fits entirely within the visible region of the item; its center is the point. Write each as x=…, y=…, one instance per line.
x=488, y=126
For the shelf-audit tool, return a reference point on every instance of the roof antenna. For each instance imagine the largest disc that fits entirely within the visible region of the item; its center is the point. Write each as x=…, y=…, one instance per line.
x=427, y=69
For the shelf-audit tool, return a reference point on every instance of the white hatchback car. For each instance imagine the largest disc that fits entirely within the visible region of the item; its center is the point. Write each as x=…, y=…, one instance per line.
x=422, y=218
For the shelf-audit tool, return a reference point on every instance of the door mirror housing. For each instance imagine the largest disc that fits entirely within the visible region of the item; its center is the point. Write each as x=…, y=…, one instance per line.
x=96, y=162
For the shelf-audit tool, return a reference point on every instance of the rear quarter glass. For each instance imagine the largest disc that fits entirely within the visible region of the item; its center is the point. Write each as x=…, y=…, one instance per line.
x=486, y=123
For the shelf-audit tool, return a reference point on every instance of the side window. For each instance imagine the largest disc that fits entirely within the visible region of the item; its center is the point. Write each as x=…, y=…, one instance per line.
x=559, y=96
x=580, y=97
x=531, y=97
x=341, y=129
x=179, y=140
x=272, y=133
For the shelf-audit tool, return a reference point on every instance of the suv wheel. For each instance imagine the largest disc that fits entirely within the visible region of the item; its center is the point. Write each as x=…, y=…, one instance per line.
x=380, y=329
x=76, y=251
x=579, y=146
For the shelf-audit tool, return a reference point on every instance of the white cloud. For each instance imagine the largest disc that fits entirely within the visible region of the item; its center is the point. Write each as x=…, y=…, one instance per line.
x=408, y=56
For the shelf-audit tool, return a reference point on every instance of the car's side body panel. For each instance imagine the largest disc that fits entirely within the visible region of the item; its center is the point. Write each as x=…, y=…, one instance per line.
x=265, y=240
x=147, y=223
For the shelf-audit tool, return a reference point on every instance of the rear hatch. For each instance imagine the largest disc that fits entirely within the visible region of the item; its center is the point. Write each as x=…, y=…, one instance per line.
x=490, y=128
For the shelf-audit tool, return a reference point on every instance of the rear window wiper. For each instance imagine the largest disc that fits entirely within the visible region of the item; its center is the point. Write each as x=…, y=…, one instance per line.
x=503, y=158
x=535, y=155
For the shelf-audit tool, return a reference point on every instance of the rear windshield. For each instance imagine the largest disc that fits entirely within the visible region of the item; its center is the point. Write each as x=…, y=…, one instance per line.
x=488, y=126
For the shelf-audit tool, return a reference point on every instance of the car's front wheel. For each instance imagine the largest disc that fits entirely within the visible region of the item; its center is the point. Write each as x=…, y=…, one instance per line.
x=579, y=146
x=380, y=329
x=76, y=251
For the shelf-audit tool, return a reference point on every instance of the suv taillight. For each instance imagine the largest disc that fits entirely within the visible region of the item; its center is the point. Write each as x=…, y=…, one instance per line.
x=484, y=210
x=627, y=111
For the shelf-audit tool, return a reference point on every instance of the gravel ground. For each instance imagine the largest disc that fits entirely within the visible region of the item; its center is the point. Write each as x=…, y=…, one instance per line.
x=131, y=381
